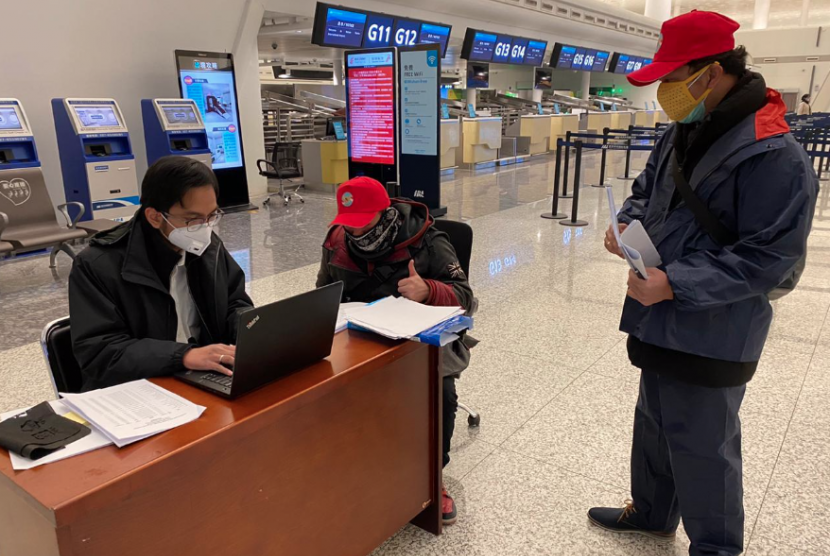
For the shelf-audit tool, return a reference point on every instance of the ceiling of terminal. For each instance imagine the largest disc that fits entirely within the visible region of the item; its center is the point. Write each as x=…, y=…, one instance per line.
x=291, y=35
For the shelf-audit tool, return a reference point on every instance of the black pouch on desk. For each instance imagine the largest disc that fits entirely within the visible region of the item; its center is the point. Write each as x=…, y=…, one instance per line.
x=39, y=432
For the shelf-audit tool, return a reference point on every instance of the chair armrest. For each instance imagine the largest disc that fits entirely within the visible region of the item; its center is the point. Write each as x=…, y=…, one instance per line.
x=4, y=222
x=268, y=162
x=64, y=208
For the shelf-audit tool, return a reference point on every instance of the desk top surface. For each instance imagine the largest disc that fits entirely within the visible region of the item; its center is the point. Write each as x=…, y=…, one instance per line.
x=60, y=483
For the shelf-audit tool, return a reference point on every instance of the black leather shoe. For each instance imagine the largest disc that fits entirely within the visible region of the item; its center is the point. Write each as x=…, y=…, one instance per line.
x=623, y=520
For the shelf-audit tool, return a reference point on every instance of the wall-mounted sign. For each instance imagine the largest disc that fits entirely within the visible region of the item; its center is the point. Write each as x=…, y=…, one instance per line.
x=567, y=56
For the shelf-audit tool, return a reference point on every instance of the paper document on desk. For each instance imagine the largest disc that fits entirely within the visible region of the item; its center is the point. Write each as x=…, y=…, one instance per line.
x=130, y=412
x=90, y=442
x=636, y=246
x=343, y=313
x=398, y=317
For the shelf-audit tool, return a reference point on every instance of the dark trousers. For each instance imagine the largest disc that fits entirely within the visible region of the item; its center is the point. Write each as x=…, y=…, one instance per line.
x=450, y=407
x=686, y=462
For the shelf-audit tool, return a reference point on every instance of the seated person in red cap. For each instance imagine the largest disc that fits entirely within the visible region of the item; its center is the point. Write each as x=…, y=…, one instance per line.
x=727, y=197
x=377, y=249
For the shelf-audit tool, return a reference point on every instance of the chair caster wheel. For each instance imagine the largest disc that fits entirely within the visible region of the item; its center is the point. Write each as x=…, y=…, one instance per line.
x=474, y=422
x=302, y=200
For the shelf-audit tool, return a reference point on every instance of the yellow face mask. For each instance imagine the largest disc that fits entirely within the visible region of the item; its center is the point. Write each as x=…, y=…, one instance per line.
x=679, y=103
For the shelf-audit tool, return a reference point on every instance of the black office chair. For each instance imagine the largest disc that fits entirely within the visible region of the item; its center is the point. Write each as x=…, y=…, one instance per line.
x=56, y=342
x=283, y=166
x=461, y=238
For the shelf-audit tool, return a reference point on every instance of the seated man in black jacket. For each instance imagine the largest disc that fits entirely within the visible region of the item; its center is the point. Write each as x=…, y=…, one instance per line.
x=378, y=247
x=160, y=293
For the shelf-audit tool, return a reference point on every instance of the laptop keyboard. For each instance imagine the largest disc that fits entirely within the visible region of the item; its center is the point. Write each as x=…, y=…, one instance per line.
x=222, y=380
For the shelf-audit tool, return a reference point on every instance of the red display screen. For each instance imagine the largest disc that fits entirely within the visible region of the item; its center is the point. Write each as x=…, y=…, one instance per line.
x=371, y=83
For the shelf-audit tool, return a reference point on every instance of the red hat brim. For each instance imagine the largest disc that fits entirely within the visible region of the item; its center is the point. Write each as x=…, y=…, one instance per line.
x=653, y=72
x=354, y=219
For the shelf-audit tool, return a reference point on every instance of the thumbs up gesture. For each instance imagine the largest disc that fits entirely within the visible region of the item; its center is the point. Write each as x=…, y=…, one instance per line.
x=413, y=287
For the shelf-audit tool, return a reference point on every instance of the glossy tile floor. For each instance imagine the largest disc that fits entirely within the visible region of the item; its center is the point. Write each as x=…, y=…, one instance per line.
x=550, y=378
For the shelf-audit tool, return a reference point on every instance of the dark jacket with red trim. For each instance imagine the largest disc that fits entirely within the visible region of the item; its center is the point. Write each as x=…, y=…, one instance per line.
x=435, y=261
x=760, y=183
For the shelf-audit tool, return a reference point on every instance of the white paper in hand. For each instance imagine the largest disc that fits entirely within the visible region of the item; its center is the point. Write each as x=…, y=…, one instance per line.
x=636, y=237
x=630, y=253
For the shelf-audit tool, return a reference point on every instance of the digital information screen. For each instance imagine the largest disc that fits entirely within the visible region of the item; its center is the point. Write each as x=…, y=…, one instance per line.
x=344, y=28
x=9, y=120
x=501, y=55
x=406, y=32
x=209, y=82
x=566, y=57
x=341, y=27
x=97, y=116
x=624, y=64
x=378, y=31
x=601, y=60
x=435, y=34
x=535, y=55
x=579, y=59
x=181, y=114
x=481, y=46
x=484, y=44
x=371, y=83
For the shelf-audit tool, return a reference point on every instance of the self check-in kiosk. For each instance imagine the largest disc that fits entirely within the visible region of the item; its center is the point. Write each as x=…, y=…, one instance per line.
x=174, y=127
x=20, y=169
x=96, y=156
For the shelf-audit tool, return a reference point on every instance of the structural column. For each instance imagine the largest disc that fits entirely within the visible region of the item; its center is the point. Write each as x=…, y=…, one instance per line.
x=586, y=85
x=658, y=9
x=761, y=19
x=472, y=96
x=337, y=72
x=805, y=12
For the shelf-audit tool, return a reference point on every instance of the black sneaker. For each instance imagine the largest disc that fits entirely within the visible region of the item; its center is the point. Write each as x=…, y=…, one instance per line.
x=619, y=520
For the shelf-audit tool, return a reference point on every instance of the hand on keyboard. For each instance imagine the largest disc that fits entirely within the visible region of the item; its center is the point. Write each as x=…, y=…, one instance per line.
x=216, y=357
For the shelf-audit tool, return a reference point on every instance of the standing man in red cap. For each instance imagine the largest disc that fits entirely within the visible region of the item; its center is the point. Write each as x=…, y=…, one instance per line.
x=377, y=249
x=727, y=197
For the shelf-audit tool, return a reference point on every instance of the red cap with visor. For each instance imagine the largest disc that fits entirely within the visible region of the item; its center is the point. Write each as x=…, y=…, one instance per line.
x=358, y=201
x=685, y=38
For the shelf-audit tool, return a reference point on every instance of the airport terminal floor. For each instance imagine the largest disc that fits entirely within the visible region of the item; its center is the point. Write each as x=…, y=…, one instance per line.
x=551, y=378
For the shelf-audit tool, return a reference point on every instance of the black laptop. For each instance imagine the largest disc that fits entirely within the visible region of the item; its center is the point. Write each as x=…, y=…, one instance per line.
x=275, y=340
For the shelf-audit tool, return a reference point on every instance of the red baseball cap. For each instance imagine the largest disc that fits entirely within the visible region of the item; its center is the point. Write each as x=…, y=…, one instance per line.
x=358, y=201
x=685, y=38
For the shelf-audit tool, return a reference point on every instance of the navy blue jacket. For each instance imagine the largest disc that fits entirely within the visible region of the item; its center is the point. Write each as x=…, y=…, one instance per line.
x=760, y=183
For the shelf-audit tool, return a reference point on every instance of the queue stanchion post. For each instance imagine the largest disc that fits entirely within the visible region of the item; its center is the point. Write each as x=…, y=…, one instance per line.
x=554, y=213
x=603, y=159
x=627, y=175
x=574, y=222
x=564, y=194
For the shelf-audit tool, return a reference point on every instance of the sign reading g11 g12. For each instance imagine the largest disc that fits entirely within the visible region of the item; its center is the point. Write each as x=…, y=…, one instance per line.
x=343, y=27
x=482, y=46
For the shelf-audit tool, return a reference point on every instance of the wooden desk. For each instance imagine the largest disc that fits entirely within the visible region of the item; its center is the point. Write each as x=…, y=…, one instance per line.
x=330, y=461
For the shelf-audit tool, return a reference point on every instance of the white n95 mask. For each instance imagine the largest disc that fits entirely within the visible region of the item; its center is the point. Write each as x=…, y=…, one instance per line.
x=192, y=242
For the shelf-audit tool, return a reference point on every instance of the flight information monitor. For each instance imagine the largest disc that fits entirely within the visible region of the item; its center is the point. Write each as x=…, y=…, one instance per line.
x=563, y=56
x=344, y=27
x=483, y=46
x=566, y=56
x=371, y=107
x=624, y=64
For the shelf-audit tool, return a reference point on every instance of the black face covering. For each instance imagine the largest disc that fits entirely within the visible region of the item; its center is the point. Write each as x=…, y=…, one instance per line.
x=378, y=241
x=39, y=432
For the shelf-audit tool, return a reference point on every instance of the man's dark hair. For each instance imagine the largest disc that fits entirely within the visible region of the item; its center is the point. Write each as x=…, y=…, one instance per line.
x=805, y=98
x=170, y=178
x=733, y=62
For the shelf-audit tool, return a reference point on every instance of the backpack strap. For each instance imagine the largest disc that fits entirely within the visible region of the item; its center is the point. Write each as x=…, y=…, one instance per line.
x=707, y=220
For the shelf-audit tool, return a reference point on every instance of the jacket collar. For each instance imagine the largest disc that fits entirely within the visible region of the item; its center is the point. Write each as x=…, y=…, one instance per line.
x=763, y=124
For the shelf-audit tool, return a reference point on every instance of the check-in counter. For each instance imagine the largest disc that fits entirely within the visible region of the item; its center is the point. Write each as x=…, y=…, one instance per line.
x=621, y=120
x=325, y=164
x=661, y=117
x=560, y=124
x=481, y=140
x=597, y=121
x=535, y=129
x=644, y=118
x=450, y=142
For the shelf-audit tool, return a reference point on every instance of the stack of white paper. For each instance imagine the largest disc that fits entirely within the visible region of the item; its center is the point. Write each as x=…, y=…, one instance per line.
x=636, y=245
x=90, y=442
x=398, y=317
x=343, y=315
x=133, y=411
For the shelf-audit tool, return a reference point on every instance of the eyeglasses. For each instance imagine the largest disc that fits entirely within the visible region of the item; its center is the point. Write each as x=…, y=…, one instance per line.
x=196, y=224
